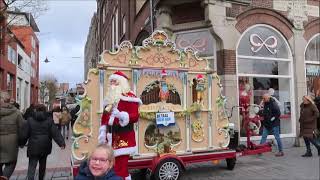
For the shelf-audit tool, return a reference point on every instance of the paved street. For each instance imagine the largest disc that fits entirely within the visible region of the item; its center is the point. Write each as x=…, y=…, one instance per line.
x=290, y=167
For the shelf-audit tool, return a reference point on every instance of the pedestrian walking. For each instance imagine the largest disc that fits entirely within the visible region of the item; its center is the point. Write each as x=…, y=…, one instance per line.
x=41, y=130
x=308, y=124
x=11, y=122
x=74, y=115
x=271, y=121
x=65, y=122
x=99, y=165
x=317, y=103
x=56, y=115
x=29, y=112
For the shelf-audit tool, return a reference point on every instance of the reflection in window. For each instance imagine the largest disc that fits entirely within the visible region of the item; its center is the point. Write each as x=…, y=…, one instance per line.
x=252, y=66
x=259, y=86
x=313, y=50
x=312, y=57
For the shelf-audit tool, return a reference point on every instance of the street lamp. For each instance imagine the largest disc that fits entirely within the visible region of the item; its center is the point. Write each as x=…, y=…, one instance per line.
x=46, y=60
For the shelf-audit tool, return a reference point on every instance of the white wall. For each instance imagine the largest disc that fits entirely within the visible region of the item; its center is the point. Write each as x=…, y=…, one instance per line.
x=23, y=79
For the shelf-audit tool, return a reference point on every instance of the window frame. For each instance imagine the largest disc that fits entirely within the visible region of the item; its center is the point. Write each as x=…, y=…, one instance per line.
x=290, y=77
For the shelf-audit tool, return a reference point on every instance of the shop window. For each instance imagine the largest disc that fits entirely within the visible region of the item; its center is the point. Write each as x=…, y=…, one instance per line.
x=201, y=41
x=312, y=59
x=264, y=66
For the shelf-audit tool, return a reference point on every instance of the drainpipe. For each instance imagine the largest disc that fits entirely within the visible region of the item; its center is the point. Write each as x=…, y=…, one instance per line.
x=151, y=15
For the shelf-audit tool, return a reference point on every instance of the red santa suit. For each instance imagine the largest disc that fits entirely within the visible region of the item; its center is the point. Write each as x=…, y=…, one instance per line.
x=122, y=136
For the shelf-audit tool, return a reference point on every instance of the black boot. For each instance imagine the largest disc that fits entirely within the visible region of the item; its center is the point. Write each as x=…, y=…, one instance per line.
x=307, y=154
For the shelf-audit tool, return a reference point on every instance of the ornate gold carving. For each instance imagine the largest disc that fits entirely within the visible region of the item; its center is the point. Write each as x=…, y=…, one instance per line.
x=197, y=131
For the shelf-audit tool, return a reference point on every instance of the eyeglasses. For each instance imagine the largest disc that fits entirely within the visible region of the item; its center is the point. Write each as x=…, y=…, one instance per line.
x=96, y=159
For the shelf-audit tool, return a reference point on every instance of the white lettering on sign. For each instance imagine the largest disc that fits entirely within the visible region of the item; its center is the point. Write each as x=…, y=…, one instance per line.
x=165, y=118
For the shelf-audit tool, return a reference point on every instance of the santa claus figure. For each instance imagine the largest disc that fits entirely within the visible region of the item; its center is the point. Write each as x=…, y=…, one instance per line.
x=164, y=91
x=200, y=88
x=117, y=123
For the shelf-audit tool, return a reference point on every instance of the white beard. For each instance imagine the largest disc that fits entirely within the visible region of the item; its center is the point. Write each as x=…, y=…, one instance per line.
x=114, y=94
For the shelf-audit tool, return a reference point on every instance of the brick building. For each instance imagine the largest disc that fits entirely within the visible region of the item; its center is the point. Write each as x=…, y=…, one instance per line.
x=261, y=43
x=24, y=27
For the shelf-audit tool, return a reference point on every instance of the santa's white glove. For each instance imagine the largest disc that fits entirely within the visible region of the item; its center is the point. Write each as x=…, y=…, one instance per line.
x=123, y=118
x=114, y=112
x=102, y=134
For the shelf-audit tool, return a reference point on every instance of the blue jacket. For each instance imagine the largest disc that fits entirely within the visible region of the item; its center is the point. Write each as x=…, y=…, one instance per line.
x=85, y=174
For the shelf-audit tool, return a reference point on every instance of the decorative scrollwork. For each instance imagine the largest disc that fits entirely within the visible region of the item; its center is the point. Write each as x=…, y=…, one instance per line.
x=226, y=136
x=270, y=47
x=75, y=146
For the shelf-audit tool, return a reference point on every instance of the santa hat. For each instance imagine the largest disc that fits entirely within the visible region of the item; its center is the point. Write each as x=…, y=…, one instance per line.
x=163, y=72
x=118, y=75
x=200, y=76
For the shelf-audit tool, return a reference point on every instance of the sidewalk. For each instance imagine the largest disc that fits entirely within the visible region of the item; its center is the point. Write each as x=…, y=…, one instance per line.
x=266, y=167
x=58, y=163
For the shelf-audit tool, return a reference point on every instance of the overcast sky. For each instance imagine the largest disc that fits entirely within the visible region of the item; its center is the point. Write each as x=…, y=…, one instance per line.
x=63, y=33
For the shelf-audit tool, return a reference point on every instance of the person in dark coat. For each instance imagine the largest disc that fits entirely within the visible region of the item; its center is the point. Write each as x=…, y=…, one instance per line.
x=308, y=124
x=271, y=121
x=317, y=103
x=41, y=131
x=29, y=112
x=11, y=123
x=99, y=165
x=74, y=115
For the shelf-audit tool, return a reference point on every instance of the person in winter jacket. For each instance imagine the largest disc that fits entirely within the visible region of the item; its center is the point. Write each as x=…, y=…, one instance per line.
x=11, y=122
x=74, y=115
x=56, y=115
x=65, y=122
x=40, y=131
x=29, y=112
x=99, y=165
x=308, y=124
x=271, y=121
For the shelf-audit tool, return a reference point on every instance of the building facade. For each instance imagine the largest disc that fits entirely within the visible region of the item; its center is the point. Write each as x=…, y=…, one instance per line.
x=259, y=44
x=24, y=27
x=91, y=55
x=23, y=80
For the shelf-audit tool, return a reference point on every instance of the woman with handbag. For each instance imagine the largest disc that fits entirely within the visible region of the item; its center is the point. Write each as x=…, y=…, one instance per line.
x=308, y=124
x=65, y=121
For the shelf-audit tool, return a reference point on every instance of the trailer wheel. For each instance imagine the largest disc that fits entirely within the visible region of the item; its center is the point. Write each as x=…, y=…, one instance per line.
x=169, y=169
x=231, y=162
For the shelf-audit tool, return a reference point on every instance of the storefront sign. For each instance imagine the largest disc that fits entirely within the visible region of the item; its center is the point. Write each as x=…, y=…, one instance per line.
x=165, y=118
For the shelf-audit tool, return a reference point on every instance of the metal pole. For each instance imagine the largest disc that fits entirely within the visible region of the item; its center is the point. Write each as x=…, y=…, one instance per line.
x=151, y=15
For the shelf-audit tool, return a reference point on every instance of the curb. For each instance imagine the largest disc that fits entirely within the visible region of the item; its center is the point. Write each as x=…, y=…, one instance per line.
x=52, y=169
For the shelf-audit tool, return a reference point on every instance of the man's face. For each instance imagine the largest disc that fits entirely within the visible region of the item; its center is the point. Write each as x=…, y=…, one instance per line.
x=99, y=164
x=266, y=98
x=114, y=82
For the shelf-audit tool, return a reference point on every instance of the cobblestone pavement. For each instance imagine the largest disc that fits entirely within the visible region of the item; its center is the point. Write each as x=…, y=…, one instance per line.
x=266, y=167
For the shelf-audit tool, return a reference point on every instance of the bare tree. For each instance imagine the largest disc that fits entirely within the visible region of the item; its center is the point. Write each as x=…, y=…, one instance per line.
x=49, y=81
x=35, y=7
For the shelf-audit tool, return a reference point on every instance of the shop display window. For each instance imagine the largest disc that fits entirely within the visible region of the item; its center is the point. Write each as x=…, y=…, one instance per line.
x=312, y=59
x=264, y=65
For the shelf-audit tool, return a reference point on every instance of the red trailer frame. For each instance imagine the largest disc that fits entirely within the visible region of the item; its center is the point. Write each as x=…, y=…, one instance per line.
x=155, y=163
